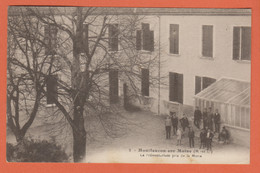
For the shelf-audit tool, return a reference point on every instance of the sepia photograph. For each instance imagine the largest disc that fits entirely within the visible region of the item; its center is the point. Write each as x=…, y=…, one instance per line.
x=128, y=85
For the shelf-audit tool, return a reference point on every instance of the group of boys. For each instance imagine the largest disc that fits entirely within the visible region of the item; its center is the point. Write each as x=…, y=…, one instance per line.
x=206, y=136
x=208, y=118
x=172, y=121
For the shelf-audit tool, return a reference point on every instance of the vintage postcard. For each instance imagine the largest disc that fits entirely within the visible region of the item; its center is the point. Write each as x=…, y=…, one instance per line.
x=128, y=85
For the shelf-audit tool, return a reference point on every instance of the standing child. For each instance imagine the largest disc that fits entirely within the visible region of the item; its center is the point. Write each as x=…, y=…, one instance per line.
x=174, y=123
x=179, y=136
x=168, y=124
x=197, y=117
x=205, y=118
x=209, y=137
x=184, y=122
x=203, y=134
x=217, y=121
x=191, y=137
x=210, y=119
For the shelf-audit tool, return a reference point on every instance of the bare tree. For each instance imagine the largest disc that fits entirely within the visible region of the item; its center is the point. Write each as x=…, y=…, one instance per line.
x=26, y=69
x=93, y=48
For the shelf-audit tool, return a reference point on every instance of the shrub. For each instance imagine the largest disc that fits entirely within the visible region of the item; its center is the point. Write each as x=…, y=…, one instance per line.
x=35, y=151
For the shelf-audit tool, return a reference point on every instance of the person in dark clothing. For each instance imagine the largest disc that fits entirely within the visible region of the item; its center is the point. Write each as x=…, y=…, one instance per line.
x=209, y=137
x=203, y=134
x=174, y=119
x=191, y=137
x=217, y=121
x=184, y=122
x=210, y=119
x=205, y=118
x=224, y=135
x=168, y=124
x=197, y=117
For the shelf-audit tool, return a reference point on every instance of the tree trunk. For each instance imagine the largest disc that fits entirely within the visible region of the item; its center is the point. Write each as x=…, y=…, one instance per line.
x=79, y=96
x=79, y=146
x=19, y=136
x=79, y=135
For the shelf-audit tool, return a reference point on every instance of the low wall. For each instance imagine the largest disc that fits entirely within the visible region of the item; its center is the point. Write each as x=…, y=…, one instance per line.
x=239, y=136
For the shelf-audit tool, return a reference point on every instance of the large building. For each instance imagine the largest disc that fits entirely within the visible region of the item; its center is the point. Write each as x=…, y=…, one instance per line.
x=201, y=57
x=205, y=61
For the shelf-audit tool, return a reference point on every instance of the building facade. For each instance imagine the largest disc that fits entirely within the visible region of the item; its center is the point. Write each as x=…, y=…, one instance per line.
x=176, y=52
x=197, y=48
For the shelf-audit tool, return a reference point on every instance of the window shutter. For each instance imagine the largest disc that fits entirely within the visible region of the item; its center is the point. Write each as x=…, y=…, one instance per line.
x=50, y=39
x=171, y=86
x=175, y=88
x=146, y=36
x=207, y=40
x=52, y=88
x=47, y=39
x=53, y=39
x=207, y=82
x=145, y=82
x=246, y=43
x=146, y=39
x=85, y=38
x=180, y=88
x=113, y=37
x=197, y=84
x=138, y=40
x=174, y=39
x=236, y=43
x=113, y=86
x=212, y=80
x=151, y=41
x=110, y=35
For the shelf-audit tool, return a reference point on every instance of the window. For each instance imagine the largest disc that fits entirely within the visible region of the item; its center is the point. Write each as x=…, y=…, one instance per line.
x=50, y=37
x=113, y=86
x=242, y=43
x=202, y=83
x=145, y=82
x=207, y=41
x=113, y=37
x=84, y=42
x=174, y=39
x=176, y=87
x=52, y=88
x=145, y=38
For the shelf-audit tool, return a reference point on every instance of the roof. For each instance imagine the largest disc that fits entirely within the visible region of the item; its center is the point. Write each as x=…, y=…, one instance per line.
x=242, y=99
x=13, y=10
x=227, y=91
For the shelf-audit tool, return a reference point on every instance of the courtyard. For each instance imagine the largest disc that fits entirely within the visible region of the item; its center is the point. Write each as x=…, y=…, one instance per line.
x=145, y=138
